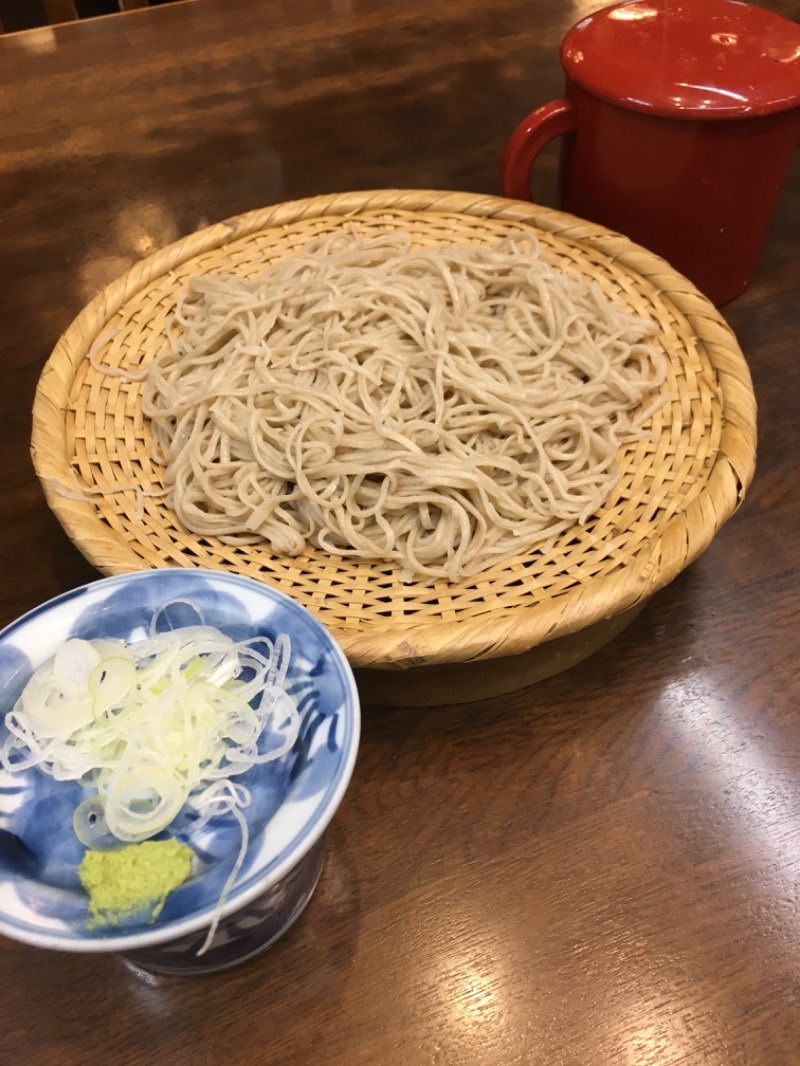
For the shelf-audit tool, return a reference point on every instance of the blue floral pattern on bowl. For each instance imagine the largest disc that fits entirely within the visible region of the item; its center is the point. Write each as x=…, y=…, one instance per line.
x=293, y=798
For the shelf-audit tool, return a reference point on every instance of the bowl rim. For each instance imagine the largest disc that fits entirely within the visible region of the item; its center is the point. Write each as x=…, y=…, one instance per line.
x=296, y=850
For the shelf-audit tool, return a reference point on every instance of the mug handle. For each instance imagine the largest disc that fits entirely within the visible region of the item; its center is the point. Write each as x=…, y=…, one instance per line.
x=528, y=139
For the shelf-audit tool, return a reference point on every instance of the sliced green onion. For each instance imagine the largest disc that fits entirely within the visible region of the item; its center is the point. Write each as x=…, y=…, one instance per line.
x=110, y=683
x=90, y=826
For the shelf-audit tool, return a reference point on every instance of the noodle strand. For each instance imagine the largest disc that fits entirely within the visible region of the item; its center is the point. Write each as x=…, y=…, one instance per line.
x=439, y=409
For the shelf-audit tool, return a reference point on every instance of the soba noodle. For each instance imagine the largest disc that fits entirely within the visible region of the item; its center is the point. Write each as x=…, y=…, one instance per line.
x=441, y=409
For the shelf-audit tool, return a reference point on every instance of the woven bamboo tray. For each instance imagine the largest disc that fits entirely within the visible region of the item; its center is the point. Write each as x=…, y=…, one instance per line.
x=416, y=644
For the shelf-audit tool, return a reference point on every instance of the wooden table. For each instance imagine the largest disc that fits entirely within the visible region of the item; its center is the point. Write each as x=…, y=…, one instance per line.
x=604, y=869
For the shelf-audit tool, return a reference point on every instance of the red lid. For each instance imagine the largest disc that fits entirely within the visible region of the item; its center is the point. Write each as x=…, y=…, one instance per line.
x=687, y=58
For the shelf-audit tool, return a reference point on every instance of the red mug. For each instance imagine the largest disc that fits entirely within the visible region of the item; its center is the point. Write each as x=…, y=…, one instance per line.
x=680, y=119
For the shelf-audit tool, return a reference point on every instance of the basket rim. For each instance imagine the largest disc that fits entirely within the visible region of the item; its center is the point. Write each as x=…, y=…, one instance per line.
x=690, y=531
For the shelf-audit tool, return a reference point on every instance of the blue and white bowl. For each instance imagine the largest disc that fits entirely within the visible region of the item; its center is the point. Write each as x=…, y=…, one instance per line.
x=293, y=799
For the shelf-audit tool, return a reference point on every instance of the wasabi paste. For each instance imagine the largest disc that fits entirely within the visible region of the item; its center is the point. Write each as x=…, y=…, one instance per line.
x=133, y=881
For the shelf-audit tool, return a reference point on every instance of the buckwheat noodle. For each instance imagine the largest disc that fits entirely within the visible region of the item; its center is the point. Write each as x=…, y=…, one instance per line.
x=442, y=409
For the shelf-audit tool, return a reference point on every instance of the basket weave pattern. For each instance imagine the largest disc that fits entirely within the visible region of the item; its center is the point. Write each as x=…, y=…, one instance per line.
x=678, y=485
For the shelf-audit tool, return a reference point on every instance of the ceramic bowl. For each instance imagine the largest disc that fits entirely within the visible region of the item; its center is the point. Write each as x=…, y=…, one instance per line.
x=293, y=799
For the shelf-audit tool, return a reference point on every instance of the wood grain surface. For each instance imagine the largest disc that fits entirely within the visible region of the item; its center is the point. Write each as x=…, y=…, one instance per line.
x=603, y=869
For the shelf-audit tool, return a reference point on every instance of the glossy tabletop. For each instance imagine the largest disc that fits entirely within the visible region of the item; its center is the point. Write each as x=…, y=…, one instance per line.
x=601, y=870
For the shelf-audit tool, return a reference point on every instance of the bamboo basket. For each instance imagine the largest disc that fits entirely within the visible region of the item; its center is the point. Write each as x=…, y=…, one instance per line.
x=517, y=622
